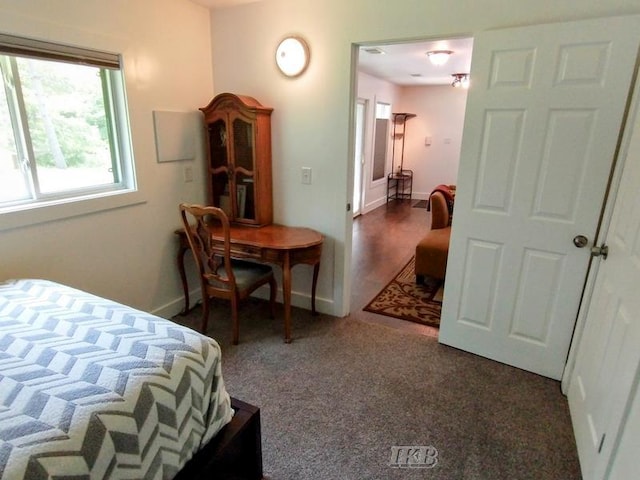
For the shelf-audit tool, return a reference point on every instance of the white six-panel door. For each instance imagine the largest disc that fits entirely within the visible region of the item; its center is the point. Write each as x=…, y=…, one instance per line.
x=542, y=122
x=608, y=360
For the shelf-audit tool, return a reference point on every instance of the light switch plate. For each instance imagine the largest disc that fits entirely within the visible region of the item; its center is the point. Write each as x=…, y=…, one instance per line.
x=306, y=175
x=188, y=174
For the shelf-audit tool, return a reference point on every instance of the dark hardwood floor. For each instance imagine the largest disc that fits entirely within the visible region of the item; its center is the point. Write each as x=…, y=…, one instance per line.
x=384, y=240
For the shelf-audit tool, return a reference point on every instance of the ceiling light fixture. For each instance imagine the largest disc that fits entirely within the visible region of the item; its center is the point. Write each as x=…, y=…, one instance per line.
x=439, y=57
x=460, y=80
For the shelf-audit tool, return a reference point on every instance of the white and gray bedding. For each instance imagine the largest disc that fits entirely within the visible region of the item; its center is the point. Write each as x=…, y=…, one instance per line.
x=92, y=389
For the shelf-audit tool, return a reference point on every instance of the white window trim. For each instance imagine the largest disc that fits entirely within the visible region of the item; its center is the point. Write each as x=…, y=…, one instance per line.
x=34, y=214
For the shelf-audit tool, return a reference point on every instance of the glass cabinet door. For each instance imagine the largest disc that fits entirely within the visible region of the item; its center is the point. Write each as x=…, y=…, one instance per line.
x=244, y=168
x=239, y=177
x=219, y=167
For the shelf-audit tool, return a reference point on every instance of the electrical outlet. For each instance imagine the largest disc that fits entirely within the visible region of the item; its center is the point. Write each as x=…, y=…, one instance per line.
x=306, y=175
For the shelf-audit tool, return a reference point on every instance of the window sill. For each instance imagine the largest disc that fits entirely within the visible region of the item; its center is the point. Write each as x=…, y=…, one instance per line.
x=49, y=212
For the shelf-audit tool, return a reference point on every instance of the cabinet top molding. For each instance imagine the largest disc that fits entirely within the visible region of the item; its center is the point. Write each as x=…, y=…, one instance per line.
x=232, y=100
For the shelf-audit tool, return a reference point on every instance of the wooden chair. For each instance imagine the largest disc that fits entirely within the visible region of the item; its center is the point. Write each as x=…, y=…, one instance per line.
x=220, y=275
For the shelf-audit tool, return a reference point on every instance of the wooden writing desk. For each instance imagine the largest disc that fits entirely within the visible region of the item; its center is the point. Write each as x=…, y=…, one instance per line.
x=277, y=244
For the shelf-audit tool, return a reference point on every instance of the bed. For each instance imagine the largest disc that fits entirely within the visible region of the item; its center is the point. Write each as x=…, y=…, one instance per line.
x=90, y=388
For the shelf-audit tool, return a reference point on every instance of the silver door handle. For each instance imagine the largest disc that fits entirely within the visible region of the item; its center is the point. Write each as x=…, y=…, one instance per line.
x=601, y=251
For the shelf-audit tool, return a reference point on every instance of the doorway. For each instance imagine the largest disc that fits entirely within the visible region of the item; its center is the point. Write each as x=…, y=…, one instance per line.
x=530, y=175
x=433, y=137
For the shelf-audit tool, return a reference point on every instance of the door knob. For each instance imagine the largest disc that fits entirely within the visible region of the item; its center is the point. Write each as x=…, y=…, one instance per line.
x=580, y=241
x=602, y=251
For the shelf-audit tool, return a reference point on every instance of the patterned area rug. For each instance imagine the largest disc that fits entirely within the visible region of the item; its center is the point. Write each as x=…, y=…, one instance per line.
x=420, y=204
x=403, y=298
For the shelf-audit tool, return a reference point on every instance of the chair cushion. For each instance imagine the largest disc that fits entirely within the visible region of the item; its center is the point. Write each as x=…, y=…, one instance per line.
x=247, y=273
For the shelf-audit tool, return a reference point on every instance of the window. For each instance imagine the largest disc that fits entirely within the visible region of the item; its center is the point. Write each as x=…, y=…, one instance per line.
x=64, y=131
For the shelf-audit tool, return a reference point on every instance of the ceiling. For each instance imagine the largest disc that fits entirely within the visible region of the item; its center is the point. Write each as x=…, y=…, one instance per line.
x=213, y=4
x=407, y=63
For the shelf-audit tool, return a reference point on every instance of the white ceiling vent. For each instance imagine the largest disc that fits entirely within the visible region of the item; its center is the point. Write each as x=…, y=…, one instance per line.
x=374, y=51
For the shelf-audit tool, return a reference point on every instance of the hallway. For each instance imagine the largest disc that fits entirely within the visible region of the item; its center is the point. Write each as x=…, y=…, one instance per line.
x=384, y=241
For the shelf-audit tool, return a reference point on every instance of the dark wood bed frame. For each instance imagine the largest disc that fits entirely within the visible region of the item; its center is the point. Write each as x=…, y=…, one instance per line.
x=235, y=453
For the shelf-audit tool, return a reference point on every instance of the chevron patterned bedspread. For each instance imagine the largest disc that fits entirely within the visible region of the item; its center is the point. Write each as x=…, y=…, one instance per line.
x=91, y=389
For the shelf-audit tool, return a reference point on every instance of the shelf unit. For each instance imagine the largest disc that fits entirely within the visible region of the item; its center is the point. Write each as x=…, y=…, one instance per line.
x=400, y=180
x=400, y=185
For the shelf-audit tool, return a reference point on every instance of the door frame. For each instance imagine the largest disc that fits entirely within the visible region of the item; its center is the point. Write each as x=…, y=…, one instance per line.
x=345, y=259
x=611, y=195
x=360, y=137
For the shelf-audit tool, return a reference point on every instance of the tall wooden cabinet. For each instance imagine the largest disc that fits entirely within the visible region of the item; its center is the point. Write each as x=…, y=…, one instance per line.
x=239, y=158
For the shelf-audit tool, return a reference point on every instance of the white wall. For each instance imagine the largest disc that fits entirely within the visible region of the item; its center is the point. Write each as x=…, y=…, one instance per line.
x=440, y=115
x=127, y=254
x=312, y=116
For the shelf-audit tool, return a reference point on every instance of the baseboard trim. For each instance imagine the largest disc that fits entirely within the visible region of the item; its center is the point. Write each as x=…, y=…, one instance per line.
x=300, y=300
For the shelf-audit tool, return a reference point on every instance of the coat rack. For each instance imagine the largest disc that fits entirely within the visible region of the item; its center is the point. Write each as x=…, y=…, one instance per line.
x=399, y=180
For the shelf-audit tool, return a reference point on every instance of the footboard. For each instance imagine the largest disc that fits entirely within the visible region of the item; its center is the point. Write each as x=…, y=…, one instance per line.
x=235, y=453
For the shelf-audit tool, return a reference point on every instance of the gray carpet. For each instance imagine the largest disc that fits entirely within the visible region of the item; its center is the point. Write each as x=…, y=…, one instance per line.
x=336, y=400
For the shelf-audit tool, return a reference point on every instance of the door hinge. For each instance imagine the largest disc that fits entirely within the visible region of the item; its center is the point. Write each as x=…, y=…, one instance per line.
x=348, y=207
x=601, y=251
x=601, y=442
